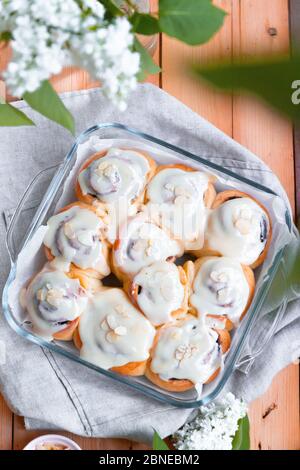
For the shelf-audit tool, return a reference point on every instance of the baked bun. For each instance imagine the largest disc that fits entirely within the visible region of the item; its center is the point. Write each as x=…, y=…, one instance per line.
x=75, y=234
x=141, y=243
x=221, y=290
x=114, y=173
x=238, y=227
x=177, y=198
x=185, y=353
x=160, y=291
x=113, y=334
x=54, y=299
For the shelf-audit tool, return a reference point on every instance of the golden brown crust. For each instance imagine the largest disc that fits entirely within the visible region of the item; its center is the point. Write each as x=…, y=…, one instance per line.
x=224, y=339
x=132, y=291
x=219, y=200
x=89, y=198
x=105, y=249
x=182, y=385
x=67, y=333
x=192, y=270
x=133, y=369
x=117, y=270
x=76, y=339
x=172, y=385
x=87, y=282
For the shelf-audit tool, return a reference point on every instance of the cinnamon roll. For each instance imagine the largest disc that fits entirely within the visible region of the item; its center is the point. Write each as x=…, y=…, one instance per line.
x=141, y=243
x=185, y=353
x=115, y=173
x=114, y=181
x=54, y=300
x=160, y=291
x=238, y=227
x=221, y=290
x=178, y=197
x=113, y=334
x=75, y=234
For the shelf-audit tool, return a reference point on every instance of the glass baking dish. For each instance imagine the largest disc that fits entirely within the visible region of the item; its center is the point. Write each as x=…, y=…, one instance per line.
x=37, y=205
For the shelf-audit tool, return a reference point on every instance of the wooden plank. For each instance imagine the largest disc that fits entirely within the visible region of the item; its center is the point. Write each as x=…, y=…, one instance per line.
x=6, y=416
x=256, y=126
x=274, y=417
x=247, y=29
x=178, y=81
x=22, y=437
x=264, y=27
x=6, y=423
x=295, y=38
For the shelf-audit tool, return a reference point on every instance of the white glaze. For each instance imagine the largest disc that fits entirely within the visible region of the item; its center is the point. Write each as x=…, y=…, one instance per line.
x=234, y=230
x=220, y=288
x=186, y=350
x=176, y=199
x=120, y=173
x=113, y=332
x=143, y=243
x=114, y=216
x=51, y=298
x=75, y=234
x=162, y=292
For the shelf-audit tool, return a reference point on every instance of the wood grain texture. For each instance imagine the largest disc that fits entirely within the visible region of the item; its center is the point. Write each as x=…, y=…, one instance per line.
x=255, y=126
x=177, y=79
x=275, y=416
x=22, y=437
x=247, y=31
x=6, y=426
x=295, y=38
x=271, y=137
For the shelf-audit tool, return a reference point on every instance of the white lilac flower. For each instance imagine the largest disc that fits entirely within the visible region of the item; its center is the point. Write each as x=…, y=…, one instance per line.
x=214, y=426
x=46, y=36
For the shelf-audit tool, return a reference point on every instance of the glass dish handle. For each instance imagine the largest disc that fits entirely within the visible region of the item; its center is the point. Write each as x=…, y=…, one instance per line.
x=21, y=222
x=272, y=321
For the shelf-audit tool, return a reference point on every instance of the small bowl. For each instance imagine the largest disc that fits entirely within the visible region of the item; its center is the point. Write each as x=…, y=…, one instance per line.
x=52, y=439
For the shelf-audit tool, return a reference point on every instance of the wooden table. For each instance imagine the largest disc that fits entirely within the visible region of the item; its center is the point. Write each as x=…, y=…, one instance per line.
x=251, y=26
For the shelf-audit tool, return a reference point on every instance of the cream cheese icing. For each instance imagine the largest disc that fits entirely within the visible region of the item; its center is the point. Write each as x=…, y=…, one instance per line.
x=75, y=234
x=186, y=350
x=120, y=173
x=220, y=288
x=53, y=300
x=176, y=199
x=113, y=332
x=143, y=243
x=238, y=229
x=160, y=291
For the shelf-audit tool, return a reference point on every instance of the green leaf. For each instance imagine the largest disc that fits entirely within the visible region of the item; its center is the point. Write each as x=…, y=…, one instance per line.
x=148, y=66
x=11, y=116
x=191, y=21
x=47, y=102
x=241, y=440
x=276, y=80
x=158, y=442
x=5, y=36
x=111, y=8
x=144, y=24
x=292, y=263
